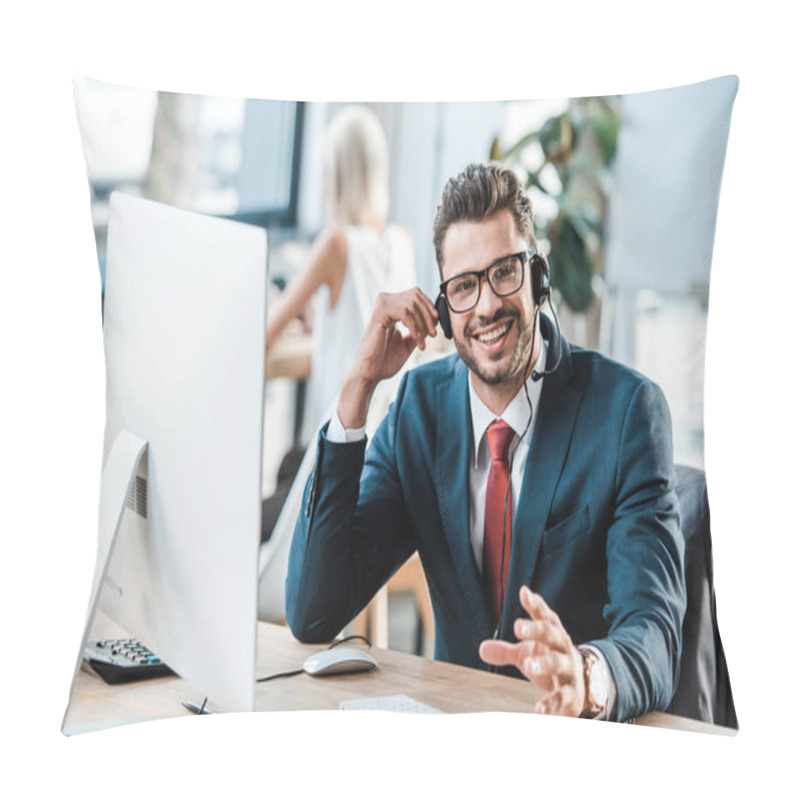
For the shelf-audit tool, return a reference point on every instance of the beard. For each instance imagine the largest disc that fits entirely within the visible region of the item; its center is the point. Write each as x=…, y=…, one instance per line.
x=498, y=373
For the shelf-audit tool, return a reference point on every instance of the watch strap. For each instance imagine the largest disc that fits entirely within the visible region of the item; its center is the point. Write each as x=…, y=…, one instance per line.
x=591, y=707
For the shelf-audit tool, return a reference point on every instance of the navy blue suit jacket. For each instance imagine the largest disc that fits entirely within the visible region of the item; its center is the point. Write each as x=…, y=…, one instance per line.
x=596, y=531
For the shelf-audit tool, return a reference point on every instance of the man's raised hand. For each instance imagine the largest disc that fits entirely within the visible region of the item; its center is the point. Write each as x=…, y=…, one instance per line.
x=384, y=349
x=545, y=655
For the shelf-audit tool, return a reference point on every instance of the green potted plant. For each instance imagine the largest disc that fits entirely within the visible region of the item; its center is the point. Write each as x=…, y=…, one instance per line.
x=568, y=160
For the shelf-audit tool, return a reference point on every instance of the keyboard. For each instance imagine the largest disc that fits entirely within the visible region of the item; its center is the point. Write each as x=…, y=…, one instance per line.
x=123, y=660
x=393, y=702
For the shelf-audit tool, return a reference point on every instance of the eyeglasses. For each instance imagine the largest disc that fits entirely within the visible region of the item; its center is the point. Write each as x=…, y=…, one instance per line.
x=505, y=276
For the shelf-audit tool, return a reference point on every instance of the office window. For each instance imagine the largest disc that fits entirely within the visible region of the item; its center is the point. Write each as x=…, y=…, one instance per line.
x=225, y=156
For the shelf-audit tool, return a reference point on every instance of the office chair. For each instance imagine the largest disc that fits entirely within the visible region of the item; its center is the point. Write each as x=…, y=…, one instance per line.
x=704, y=689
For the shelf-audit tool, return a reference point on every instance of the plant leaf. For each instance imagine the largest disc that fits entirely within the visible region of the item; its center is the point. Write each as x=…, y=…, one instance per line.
x=496, y=152
x=515, y=149
x=571, y=267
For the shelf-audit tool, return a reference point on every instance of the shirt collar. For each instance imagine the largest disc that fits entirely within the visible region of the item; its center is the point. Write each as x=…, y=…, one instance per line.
x=516, y=412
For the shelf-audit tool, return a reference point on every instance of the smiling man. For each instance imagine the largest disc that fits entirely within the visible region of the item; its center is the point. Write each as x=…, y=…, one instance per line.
x=534, y=478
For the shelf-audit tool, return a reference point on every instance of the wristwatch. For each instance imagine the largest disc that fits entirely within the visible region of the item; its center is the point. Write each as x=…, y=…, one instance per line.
x=595, y=678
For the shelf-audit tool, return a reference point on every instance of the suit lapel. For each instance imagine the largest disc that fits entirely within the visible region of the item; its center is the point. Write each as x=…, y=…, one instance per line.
x=555, y=421
x=453, y=454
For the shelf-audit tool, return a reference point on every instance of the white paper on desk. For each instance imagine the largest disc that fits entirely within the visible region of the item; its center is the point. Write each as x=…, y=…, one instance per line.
x=395, y=702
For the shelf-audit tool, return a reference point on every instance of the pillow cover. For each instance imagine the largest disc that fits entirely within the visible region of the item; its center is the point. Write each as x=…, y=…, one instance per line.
x=625, y=192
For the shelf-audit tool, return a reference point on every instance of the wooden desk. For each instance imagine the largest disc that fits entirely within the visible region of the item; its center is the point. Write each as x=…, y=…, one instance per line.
x=448, y=687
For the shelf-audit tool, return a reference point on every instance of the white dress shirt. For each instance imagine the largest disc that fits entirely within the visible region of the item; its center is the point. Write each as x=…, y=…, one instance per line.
x=520, y=417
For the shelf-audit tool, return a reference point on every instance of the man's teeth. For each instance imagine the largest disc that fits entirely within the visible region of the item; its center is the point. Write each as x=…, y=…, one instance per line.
x=488, y=338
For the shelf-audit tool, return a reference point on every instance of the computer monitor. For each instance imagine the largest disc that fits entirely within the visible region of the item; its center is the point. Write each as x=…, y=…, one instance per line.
x=183, y=330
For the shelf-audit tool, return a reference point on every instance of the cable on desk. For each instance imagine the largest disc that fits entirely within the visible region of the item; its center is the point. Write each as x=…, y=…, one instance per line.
x=350, y=639
x=329, y=647
x=280, y=675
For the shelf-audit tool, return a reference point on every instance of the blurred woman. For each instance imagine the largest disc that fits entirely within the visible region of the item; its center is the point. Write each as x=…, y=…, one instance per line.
x=356, y=256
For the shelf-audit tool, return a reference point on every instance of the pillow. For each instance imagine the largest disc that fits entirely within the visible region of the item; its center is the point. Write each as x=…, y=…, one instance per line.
x=625, y=192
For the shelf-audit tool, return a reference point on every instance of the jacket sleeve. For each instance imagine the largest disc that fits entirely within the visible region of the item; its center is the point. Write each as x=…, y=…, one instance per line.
x=352, y=533
x=645, y=550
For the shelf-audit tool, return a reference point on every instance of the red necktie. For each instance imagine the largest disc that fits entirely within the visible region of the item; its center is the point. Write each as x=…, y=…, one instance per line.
x=499, y=436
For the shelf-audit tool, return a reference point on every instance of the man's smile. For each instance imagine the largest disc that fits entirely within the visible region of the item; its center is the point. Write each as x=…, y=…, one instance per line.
x=492, y=336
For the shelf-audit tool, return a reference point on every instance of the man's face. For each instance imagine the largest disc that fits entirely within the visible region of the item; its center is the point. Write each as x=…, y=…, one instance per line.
x=493, y=338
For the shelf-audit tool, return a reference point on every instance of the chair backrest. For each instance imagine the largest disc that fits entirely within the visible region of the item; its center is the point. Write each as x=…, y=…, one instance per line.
x=704, y=689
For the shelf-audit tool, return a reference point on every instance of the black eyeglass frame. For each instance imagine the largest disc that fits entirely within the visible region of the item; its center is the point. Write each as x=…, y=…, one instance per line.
x=524, y=256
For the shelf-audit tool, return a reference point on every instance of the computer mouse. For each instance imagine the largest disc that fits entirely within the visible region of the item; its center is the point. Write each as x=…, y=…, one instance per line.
x=338, y=661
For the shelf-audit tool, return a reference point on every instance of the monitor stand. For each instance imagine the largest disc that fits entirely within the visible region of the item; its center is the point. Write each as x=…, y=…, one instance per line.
x=118, y=476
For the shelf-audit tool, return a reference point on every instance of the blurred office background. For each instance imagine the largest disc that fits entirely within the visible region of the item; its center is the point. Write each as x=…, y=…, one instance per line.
x=590, y=165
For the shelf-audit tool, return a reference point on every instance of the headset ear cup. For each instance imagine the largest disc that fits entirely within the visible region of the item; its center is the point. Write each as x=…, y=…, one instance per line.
x=540, y=279
x=444, y=316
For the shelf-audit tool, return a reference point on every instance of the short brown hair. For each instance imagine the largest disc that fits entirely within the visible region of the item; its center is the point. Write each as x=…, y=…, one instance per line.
x=477, y=193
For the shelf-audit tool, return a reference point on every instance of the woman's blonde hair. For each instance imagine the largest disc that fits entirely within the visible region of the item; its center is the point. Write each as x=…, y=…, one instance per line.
x=356, y=164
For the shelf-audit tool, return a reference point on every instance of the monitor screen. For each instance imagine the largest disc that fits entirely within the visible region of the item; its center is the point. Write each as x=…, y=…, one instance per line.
x=183, y=331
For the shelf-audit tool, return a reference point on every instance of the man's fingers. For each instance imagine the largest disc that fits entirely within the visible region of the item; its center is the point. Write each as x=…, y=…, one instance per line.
x=545, y=668
x=419, y=316
x=554, y=637
x=549, y=670
x=413, y=308
x=544, y=655
x=501, y=654
x=399, y=339
x=559, y=701
x=535, y=605
x=413, y=319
